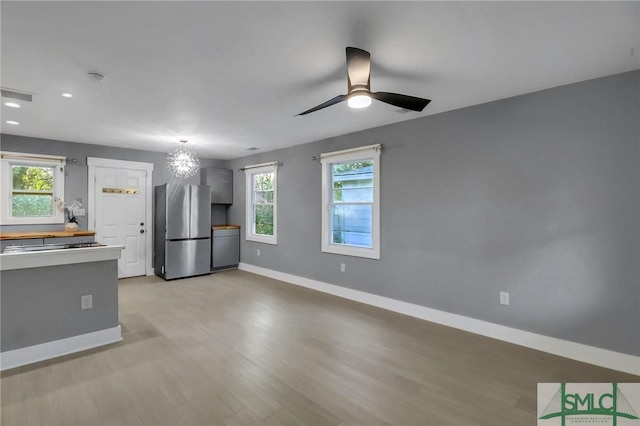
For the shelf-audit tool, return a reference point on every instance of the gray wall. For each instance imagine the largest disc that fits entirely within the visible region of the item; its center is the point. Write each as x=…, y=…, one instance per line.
x=76, y=173
x=537, y=195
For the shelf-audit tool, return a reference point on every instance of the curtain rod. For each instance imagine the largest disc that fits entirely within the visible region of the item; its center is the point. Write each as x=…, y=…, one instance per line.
x=24, y=156
x=375, y=147
x=255, y=166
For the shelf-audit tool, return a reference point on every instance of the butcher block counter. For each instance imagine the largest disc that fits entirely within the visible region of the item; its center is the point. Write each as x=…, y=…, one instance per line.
x=45, y=234
x=216, y=227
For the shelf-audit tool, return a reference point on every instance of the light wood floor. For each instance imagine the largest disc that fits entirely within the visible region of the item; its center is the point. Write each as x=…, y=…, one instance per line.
x=234, y=348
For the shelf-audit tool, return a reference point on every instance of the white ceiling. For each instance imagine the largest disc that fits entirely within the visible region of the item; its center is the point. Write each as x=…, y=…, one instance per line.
x=231, y=75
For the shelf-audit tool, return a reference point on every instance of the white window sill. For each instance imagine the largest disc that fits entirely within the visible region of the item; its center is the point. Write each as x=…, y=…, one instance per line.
x=367, y=253
x=262, y=239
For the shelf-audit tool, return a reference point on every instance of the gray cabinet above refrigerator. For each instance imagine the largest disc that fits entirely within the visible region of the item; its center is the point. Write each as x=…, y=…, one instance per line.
x=221, y=183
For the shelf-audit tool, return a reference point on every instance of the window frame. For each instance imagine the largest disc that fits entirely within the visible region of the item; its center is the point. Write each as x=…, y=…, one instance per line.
x=250, y=172
x=10, y=159
x=371, y=152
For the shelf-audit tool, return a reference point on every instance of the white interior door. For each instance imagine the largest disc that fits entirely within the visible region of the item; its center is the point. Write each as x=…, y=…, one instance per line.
x=120, y=215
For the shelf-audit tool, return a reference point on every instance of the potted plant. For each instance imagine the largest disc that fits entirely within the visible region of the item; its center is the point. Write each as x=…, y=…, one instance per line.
x=72, y=224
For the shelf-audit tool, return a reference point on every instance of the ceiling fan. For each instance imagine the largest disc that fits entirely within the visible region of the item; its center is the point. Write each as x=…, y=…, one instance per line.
x=359, y=92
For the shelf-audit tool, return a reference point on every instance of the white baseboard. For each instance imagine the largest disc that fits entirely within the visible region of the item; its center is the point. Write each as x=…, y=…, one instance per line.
x=576, y=351
x=30, y=354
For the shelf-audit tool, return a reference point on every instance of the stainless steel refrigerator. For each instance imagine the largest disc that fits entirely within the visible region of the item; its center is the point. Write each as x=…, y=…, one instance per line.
x=182, y=230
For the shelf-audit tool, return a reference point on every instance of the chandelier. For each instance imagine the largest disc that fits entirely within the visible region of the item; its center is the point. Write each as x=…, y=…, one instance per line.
x=183, y=162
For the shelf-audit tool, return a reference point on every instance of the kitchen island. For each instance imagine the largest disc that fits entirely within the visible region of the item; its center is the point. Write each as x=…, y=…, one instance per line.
x=56, y=301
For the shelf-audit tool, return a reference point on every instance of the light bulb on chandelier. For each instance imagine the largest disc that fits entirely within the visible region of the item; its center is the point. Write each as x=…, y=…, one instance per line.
x=183, y=162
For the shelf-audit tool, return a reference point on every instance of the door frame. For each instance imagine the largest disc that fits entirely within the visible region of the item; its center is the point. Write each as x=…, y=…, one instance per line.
x=93, y=163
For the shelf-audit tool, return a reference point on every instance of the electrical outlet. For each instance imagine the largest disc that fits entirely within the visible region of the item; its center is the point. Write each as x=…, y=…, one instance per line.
x=258, y=252
x=86, y=301
x=342, y=267
x=504, y=298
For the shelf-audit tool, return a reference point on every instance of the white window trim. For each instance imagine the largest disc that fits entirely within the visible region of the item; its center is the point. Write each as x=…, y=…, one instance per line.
x=250, y=171
x=362, y=153
x=17, y=158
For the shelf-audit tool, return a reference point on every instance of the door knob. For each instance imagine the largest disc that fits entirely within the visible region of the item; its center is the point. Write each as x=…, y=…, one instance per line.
x=142, y=231
x=141, y=223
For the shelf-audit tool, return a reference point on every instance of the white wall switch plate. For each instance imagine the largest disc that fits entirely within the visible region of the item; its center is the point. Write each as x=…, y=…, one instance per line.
x=258, y=252
x=342, y=267
x=86, y=301
x=504, y=298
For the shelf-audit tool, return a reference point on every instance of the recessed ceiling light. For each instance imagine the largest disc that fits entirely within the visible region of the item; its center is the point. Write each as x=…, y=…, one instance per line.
x=15, y=123
x=67, y=95
x=12, y=104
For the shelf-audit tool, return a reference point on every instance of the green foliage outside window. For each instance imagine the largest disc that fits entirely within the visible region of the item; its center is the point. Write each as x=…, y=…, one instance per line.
x=264, y=220
x=342, y=168
x=32, y=193
x=263, y=190
x=30, y=178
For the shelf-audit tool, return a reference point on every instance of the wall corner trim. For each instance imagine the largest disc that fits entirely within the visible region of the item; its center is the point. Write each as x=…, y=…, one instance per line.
x=31, y=354
x=576, y=351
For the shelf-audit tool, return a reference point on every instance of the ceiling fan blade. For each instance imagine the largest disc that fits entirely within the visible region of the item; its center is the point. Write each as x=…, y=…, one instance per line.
x=358, y=68
x=330, y=102
x=401, y=101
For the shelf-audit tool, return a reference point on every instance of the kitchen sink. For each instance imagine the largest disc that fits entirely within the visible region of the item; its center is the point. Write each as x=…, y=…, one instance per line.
x=45, y=247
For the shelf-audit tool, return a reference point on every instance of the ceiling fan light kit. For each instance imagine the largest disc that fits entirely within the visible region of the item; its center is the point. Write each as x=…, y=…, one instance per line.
x=358, y=101
x=359, y=92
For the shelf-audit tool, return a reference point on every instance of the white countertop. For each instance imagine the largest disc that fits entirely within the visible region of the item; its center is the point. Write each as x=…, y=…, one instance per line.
x=38, y=259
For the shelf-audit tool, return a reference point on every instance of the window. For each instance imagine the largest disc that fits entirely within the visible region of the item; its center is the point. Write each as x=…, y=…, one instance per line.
x=262, y=202
x=32, y=189
x=350, y=202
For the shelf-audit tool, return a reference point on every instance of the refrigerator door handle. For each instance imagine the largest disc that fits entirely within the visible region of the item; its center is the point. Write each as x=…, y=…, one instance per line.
x=193, y=210
x=177, y=212
x=200, y=221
